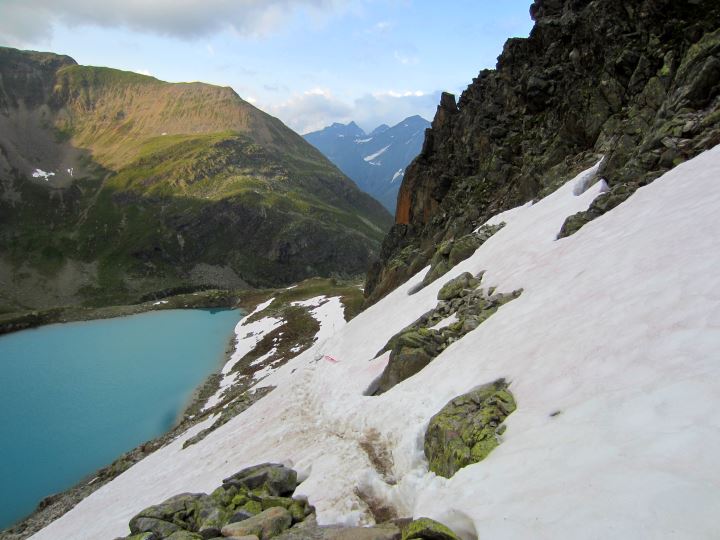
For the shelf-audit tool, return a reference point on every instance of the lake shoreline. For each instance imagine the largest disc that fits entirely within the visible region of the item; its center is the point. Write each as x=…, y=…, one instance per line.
x=214, y=298
x=55, y=505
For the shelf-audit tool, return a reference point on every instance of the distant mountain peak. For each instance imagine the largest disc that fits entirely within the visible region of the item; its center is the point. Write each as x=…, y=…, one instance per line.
x=375, y=161
x=380, y=129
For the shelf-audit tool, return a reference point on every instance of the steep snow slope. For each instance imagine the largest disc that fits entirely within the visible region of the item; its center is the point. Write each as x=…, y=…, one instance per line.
x=618, y=328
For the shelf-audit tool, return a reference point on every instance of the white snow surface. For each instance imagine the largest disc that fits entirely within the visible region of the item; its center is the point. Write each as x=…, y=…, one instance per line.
x=247, y=335
x=39, y=173
x=329, y=312
x=618, y=328
x=447, y=321
x=376, y=155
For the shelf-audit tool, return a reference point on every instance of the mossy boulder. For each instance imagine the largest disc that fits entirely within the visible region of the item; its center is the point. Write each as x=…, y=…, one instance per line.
x=273, y=478
x=174, y=514
x=428, y=529
x=141, y=536
x=463, y=248
x=411, y=352
x=455, y=287
x=185, y=535
x=159, y=527
x=265, y=525
x=451, y=252
x=468, y=428
x=602, y=204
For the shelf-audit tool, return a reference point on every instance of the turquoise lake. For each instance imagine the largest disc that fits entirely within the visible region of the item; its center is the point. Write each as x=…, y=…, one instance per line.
x=75, y=396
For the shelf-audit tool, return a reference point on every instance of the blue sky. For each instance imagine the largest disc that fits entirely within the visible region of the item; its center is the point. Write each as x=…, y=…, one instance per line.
x=308, y=62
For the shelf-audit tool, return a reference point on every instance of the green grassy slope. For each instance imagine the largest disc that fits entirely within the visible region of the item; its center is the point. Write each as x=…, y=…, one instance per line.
x=159, y=186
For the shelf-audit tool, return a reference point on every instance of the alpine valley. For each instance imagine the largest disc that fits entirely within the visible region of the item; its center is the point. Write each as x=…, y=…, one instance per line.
x=376, y=161
x=115, y=186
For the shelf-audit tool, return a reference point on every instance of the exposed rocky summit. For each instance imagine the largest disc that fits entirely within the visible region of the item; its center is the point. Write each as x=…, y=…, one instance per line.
x=635, y=82
x=115, y=186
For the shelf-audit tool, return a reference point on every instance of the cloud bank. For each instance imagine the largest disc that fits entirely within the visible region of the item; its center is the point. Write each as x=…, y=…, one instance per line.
x=32, y=21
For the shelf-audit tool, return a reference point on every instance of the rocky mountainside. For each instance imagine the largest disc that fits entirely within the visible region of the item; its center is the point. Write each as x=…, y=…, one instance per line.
x=635, y=82
x=375, y=161
x=115, y=186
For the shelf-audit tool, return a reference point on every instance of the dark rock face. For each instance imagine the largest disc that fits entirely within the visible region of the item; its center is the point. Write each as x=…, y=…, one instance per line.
x=636, y=82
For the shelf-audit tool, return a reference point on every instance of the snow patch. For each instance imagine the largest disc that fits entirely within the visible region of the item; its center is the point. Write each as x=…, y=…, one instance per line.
x=39, y=173
x=376, y=155
x=247, y=336
x=447, y=321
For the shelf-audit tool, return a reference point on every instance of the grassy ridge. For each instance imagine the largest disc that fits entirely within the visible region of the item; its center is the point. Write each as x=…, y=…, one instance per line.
x=176, y=185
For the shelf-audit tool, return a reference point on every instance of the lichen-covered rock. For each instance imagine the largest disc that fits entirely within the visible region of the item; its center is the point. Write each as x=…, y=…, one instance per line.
x=272, y=501
x=185, y=535
x=468, y=428
x=265, y=525
x=603, y=203
x=417, y=345
x=455, y=287
x=411, y=351
x=209, y=517
x=274, y=478
x=141, y=536
x=310, y=530
x=160, y=527
x=428, y=529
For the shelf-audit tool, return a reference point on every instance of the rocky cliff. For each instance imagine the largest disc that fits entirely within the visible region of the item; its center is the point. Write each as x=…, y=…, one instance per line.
x=634, y=83
x=116, y=186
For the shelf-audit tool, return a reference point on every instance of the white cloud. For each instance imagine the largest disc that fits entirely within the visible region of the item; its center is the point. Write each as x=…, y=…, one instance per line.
x=317, y=108
x=406, y=59
x=381, y=27
x=32, y=21
x=143, y=72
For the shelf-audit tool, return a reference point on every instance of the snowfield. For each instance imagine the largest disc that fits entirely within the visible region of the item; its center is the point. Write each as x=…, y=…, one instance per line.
x=618, y=330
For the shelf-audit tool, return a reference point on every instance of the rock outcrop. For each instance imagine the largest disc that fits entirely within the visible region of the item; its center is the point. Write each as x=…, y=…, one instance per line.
x=468, y=428
x=635, y=82
x=461, y=308
x=256, y=504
